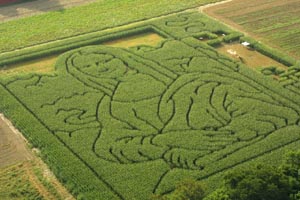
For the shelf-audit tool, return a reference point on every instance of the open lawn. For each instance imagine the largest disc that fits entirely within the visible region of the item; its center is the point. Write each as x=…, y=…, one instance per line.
x=127, y=123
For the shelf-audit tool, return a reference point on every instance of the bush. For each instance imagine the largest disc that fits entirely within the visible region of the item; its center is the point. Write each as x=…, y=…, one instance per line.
x=186, y=190
x=291, y=168
x=258, y=183
x=219, y=194
x=232, y=37
x=206, y=35
x=272, y=71
x=214, y=42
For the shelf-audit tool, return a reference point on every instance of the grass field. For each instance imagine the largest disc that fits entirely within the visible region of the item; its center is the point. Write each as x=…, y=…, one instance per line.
x=30, y=180
x=274, y=22
x=15, y=184
x=78, y=20
x=126, y=123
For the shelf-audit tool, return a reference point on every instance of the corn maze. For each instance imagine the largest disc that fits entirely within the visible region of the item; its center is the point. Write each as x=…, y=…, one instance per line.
x=120, y=123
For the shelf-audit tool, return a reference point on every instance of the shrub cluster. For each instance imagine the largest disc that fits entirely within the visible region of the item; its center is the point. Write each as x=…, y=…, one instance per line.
x=235, y=36
x=272, y=70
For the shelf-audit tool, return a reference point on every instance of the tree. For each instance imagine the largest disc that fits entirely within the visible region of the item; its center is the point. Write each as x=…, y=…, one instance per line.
x=219, y=194
x=186, y=190
x=257, y=183
x=291, y=168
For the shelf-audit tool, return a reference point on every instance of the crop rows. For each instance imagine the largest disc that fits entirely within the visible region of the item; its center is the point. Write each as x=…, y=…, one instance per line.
x=275, y=22
x=135, y=121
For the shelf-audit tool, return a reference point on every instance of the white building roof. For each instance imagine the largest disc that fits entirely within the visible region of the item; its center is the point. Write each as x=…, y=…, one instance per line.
x=245, y=44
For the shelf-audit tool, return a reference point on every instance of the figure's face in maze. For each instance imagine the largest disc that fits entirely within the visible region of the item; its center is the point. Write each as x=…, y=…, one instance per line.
x=99, y=65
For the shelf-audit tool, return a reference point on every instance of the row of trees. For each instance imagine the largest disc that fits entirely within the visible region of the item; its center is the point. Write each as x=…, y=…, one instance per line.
x=261, y=182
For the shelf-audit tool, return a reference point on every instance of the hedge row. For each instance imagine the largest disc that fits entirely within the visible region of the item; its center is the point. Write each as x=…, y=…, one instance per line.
x=232, y=37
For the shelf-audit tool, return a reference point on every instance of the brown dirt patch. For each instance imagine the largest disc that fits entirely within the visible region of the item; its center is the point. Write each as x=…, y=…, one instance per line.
x=150, y=39
x=42, y=65
x=13, y=147
x=17, y=159
x=248, y=56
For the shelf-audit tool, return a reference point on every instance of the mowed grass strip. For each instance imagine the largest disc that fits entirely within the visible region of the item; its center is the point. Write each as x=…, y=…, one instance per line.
x=93, y=17
x=275, y=22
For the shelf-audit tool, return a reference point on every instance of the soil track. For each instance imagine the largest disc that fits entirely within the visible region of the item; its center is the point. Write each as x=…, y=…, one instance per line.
x=12, y=145
x=13, y=150
x=26, y=9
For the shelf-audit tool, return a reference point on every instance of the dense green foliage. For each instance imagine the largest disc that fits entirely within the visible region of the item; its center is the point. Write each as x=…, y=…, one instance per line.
x=262, y=182
x=215, y=42
x=126, y=123
x=232, y=37
x=291, y=168
x=185, y=190
x=259, y=183
x=96, y=16
x=272, y=71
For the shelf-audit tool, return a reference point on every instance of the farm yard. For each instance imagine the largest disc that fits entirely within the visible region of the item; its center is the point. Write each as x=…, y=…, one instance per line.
x=128, y=111
x=274, y=22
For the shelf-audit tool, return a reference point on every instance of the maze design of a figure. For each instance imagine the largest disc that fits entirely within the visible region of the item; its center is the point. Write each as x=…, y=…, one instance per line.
x=189, y=107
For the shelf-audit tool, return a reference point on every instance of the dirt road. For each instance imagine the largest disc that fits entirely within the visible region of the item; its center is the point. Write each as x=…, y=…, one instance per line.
x=13, y=147
x=15, y=152
x=26, y=9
